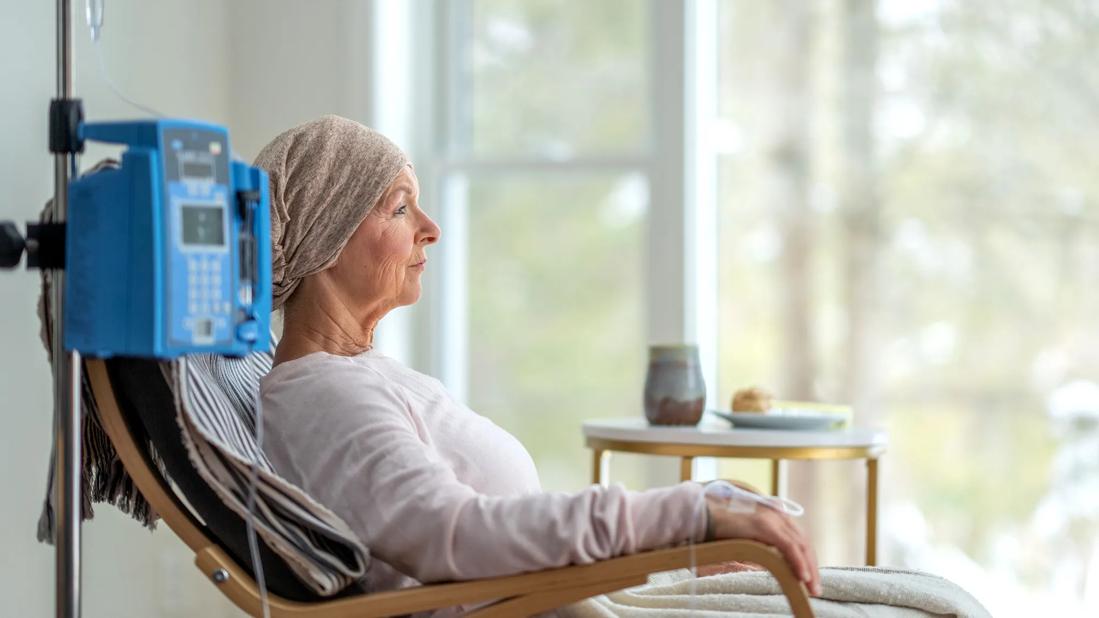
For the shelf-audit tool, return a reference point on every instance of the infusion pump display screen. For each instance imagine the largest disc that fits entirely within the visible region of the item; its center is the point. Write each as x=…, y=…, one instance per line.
x=197, y=170
x=203, y=225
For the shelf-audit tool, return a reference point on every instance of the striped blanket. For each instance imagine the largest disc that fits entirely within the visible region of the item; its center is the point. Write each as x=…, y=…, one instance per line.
x=216, y=401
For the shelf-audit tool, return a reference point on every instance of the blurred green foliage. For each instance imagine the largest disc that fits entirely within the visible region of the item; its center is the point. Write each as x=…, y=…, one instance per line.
x=987, y=254
x=558, y=79
x=983, y=301
x=555, y=271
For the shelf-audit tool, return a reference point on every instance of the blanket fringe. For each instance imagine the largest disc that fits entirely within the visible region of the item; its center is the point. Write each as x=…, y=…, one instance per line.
x=104, y=478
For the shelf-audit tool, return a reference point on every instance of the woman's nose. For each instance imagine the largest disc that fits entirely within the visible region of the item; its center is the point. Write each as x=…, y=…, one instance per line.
x=429, y=231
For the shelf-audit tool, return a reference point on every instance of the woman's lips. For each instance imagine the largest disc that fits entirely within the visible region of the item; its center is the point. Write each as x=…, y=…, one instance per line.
x=420, y=265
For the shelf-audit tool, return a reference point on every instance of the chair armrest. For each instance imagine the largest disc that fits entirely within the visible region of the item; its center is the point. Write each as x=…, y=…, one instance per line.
x=523, y=594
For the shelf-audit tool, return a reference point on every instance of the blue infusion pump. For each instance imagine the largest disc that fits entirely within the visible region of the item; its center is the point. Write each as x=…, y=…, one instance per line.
x=170, y=254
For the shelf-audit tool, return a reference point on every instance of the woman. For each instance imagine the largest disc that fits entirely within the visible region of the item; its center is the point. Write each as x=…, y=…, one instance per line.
x=435, y=491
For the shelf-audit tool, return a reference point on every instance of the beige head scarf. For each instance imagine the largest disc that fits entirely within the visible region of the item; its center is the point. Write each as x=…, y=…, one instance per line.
x=326, y=175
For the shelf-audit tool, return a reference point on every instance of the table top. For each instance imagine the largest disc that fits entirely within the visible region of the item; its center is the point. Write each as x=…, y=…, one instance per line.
x=711, y=432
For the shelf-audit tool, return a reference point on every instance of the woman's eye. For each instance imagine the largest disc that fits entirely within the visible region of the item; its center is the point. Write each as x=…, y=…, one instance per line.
x=403, y=209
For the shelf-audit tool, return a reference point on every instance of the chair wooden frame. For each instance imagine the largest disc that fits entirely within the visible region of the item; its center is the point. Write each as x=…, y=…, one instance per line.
x=515, y=595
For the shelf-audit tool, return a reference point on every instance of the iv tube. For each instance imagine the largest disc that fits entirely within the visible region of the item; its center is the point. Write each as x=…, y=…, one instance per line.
x=93, y=12
x=253, y=546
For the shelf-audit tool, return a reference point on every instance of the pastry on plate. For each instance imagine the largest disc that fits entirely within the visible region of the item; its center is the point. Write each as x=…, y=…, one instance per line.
x=752, y=399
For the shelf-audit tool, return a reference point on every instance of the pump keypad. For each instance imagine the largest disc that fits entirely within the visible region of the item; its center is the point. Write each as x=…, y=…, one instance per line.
x=206, y=287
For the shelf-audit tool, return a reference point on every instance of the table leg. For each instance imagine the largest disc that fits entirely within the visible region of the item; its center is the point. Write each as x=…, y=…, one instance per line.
x=686, y=466
x=872, y=512
x=597, y=467
x=776, y=476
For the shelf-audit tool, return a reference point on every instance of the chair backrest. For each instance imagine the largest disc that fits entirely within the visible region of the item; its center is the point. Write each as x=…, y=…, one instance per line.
x=147, y=404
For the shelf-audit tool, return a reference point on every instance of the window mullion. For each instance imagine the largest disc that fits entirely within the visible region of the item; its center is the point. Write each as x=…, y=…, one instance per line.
x=669, y=260
x=702, y=178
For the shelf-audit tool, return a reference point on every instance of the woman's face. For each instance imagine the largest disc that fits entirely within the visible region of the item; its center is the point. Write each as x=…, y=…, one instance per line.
x=381, y=266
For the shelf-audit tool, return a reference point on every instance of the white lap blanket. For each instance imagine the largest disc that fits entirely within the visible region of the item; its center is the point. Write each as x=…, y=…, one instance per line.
x=848, y=593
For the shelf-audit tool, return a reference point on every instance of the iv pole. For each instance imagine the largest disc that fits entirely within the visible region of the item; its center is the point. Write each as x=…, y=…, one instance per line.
x=66, y=374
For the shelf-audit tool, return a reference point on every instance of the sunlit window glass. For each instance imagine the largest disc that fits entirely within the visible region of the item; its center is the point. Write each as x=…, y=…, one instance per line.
x=553, y=79
x=907, y=202
x=556, y=336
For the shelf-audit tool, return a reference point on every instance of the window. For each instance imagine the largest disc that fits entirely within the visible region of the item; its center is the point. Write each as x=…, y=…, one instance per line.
x=543, y=173
x=877, y=202
x=554, y=319
x=905, y=223
x=549, y=79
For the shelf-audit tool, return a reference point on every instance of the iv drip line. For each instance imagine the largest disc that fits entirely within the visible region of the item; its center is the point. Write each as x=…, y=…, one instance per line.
x=253, y=545
x=93, y=12
x=736, y=500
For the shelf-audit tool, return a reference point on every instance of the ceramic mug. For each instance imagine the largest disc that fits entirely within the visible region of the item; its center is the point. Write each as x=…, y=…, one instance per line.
x=675, y=393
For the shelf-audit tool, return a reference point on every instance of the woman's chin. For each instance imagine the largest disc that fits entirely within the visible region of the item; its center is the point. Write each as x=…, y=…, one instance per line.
x=410, y=296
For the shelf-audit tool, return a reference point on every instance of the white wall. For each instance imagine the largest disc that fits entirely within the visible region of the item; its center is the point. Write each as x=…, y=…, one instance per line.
x=292, y=62
x=257, y=67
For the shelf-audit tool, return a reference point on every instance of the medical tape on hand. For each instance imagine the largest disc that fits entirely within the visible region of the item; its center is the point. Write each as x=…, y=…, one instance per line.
x=740, y=500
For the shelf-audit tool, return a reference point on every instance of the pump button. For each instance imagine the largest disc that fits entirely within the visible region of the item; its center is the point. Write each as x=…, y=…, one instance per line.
x=248, y=331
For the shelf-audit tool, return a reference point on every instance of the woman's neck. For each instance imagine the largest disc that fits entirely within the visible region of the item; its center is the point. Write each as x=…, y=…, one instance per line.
x=300, y=340
x=320, y=323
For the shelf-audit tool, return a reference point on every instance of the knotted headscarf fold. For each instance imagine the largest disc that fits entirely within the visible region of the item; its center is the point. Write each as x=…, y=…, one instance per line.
x=326, y=175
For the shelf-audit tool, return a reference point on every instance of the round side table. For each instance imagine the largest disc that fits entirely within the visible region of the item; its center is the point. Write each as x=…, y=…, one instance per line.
x=710, y=439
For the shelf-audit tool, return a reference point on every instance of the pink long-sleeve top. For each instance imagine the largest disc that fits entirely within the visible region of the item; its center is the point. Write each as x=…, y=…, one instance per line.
x=438, y=492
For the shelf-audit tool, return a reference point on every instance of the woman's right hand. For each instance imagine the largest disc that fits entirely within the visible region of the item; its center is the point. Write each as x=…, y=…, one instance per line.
x=771, y=527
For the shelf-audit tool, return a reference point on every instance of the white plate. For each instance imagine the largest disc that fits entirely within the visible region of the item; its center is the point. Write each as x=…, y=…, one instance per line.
x=783, y=418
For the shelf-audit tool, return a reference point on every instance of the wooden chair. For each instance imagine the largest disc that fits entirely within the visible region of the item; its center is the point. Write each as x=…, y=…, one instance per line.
x=135, y=407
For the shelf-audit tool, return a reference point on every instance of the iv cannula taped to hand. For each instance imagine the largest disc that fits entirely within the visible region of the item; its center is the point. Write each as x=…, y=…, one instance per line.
x=743, y=501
